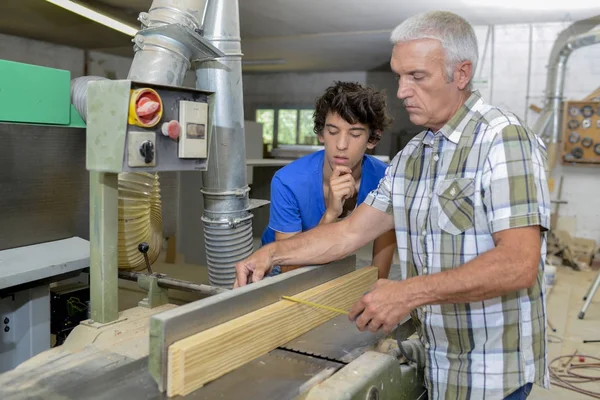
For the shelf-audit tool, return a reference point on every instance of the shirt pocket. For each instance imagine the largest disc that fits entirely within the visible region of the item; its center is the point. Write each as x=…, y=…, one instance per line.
x=457, y=210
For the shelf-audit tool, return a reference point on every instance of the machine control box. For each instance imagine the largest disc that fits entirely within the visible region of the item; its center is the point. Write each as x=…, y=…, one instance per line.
x=140, y=127
x=193, y=120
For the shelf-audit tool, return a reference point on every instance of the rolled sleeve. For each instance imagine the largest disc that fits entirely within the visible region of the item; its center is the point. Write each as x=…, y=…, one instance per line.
x=284, y=211
x=514, y=184
x=380, y=198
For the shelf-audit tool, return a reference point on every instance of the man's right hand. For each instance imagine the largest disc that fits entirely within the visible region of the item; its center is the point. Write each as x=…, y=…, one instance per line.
x=255, y=267
x=342, y=186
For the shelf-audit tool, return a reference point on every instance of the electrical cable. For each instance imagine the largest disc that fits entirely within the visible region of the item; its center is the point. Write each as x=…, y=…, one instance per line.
x=406, y=354
x=565, y=377
x=554, y=339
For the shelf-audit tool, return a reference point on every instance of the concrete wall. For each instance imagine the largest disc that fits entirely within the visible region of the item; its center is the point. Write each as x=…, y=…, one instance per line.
x=297, y=90
x=518, y=79
x=402, y=130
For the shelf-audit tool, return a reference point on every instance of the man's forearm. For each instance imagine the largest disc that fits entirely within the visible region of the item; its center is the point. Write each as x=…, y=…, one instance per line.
x=490, y=275
x=322, y=244
x=384, y=248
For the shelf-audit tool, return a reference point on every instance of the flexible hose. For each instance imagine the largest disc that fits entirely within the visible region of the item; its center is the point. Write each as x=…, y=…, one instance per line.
x=140, y=209
x=225, y=246
x=79, y=93
x=140, y=219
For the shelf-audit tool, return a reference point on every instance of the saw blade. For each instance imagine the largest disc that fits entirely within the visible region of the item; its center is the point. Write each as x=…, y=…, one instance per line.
x=337, y=339
x=279, y=374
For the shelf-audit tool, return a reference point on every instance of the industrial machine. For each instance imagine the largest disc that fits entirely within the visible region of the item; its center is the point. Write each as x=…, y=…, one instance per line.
x=149, y=124
x=39, y=242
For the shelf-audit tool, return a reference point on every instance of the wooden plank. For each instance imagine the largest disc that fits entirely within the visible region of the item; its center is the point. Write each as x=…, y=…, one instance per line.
x=201, y=358
x=171, y=250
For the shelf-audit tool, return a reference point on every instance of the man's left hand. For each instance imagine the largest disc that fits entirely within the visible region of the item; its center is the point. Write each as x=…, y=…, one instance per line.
x=382, y=308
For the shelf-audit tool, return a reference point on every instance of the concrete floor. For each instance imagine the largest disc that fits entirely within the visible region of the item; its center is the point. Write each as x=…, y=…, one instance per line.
x=564, y=303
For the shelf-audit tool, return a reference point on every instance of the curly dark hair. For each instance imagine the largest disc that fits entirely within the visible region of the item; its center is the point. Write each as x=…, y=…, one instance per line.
x=355, y=104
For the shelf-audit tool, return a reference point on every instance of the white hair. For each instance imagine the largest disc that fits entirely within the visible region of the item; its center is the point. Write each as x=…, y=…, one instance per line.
x=454, y=32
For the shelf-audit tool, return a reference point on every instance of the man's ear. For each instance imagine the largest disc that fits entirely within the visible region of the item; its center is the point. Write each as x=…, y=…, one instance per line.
x=463, y=74
x=321, y=139
x=374, y=140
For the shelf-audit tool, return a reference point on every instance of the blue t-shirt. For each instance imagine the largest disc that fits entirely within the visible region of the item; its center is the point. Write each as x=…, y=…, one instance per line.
x=297, y=201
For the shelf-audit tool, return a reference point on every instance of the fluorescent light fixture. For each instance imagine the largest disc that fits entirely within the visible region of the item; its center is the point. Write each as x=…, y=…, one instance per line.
x=535, y=5
x=95, y=16
x=276, y=61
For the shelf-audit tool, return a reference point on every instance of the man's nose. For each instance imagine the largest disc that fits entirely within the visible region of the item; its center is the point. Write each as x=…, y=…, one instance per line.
x=403, y=90
x=342, y=142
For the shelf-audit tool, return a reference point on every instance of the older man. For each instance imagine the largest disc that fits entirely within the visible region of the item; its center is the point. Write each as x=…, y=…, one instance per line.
x=469, y=201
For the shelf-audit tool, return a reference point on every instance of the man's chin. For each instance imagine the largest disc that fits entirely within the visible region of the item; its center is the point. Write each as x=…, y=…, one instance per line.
x=415, y=119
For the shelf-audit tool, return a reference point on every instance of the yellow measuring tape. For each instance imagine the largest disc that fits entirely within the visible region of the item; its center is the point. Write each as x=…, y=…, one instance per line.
x=308, y=303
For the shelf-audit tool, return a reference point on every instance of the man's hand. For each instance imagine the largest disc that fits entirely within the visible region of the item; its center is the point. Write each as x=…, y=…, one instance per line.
x=255, y=267
x=341, y=187
x=382, y=308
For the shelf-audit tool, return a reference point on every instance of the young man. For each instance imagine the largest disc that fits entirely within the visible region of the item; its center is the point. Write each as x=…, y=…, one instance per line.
x=328, y=185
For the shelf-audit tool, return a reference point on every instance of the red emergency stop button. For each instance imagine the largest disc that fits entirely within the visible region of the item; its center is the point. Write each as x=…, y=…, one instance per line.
x=171, y=129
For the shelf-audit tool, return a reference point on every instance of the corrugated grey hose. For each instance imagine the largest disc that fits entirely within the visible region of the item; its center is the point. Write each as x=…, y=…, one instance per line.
x=79, y=92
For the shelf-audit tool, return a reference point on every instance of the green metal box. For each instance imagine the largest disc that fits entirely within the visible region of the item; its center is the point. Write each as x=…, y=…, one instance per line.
x=34, y=94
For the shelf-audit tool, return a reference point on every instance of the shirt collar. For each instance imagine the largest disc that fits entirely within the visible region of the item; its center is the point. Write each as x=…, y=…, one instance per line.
x=455, y=126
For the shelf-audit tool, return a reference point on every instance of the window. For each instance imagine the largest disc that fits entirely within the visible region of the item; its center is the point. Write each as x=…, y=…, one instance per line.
x=307, y=135
x=266, y=118
x=287, y=126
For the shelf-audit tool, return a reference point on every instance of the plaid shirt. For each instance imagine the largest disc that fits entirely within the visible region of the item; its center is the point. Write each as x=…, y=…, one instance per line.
x=449, y=192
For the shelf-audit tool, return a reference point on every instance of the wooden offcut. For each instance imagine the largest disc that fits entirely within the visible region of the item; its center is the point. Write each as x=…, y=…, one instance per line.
x=205, y=356
x=171, y=256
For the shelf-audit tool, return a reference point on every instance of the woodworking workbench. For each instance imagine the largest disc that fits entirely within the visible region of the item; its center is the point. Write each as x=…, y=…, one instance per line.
x=128, y=359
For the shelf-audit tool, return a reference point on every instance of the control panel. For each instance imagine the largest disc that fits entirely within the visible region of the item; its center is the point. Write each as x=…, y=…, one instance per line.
x=581, y=132
x=138, y=127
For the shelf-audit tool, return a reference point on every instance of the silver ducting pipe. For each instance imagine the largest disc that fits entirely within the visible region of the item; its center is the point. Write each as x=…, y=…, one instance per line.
x=162, y=58
x=557, y=89
x=549, y=123
x=189, y=13
x=227, y=221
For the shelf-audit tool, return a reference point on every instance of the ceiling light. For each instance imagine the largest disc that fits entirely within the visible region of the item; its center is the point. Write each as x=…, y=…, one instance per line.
x=535, y=5
x=95, y=16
